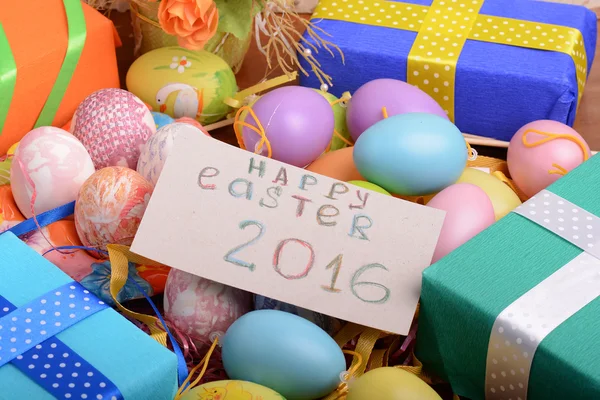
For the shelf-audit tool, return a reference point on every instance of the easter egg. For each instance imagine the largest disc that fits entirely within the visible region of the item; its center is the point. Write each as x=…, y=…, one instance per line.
x=110, y=206
x=161, y=119
x=156, y=150
x=193, y=122
x=328, y=324
x=284, y=352
x=113, y=125
x=389, y=383
x=53, y=162
x=366, y=104
x=469, y=211
x=183, y=83
x=543, y=151
x=231, y=390
x=297, y=121
x=200, y=307
x=337, y=164
x=504, y=200
x=5, y=163
x=339, y=115
x=411, y=154
x=370, y=186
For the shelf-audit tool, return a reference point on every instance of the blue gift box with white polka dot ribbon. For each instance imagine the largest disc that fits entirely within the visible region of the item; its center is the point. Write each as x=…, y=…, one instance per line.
x=58, y=341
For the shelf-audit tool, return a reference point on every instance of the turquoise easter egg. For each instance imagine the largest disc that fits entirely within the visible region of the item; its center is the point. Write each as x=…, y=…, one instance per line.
x=411, y=154
x=161, y=119
x=284, y=352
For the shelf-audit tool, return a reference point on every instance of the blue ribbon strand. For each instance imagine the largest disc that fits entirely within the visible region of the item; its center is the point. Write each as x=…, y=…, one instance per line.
x=44, y=219
x=28, y=343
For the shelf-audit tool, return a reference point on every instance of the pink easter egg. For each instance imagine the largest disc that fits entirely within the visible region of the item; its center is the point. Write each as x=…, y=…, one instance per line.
x=199, y=307
x=113, y=125
x=398, y=97
x=193, y=122
x=543, y=151
x=110, y=206
x=53, y=162
x=469, y=211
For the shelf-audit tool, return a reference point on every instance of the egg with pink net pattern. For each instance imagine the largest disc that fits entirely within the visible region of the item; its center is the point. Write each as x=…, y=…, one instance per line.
x=52, y=163
x=113, y=125
x=110, y=206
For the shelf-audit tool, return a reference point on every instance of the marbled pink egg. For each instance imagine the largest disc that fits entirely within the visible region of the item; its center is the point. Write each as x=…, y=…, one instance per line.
x=543, y=151
x=110, y=206
x=55, y=163
x=113, y=124
x=199, y=306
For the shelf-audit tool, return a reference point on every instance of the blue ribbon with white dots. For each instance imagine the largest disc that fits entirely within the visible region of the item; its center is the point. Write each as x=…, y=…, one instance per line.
x=27, y=341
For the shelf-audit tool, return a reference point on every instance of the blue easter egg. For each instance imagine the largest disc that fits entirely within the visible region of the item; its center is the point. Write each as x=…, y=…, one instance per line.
x=411, y=154
x=161, y=119
x=329, y=324
x=283, y=352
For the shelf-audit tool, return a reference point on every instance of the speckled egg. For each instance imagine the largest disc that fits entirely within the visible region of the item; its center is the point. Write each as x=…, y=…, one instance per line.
x=113, y=125
x=156, y=150
x=199, y=307
x=110, y=206
x=53, y=162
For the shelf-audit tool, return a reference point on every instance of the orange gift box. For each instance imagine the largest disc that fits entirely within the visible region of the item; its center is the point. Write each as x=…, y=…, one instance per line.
x=37, y=32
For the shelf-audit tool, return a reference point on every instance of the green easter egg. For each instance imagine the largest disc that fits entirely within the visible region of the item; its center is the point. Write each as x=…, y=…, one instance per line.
x=231, y=390
x=183, y=83
x=370, y=186
x=339, y=113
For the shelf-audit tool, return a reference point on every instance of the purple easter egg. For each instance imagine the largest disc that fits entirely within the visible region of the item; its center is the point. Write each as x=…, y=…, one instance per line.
x=298, y=122
x=365, y=108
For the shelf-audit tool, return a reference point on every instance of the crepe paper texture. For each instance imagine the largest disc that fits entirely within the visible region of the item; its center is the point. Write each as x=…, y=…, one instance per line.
x=37, y=33
x=498, y=88
x=279, y=231
x=140, y=367
x=465, y=291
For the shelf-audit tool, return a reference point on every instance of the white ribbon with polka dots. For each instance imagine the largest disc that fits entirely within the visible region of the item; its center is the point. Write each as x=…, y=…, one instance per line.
x=521, y=327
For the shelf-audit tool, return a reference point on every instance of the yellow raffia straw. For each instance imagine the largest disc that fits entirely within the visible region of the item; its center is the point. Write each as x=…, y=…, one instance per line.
x=204, y=364
x=342, y=388
x=549, y=136
x=237, y=101
x=237, y=128
x=385, y=113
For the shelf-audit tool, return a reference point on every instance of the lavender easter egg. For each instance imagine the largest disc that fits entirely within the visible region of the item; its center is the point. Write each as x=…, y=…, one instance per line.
x=54, y=163
x=199, y=307
x=298, y=123
x=156, y=150
x=113, y=125
x=469, y=211
x=543, y=151
x=110, y=206
x=365, y=106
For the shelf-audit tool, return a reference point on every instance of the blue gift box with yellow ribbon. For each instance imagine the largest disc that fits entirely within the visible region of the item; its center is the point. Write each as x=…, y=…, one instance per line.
x=57, y=340
x=493, y=65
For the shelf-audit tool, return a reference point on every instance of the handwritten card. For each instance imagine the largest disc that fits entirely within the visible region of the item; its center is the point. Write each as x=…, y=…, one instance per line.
x=257, y=224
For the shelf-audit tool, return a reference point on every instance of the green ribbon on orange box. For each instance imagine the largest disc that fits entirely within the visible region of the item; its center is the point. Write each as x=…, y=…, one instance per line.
x=8, y=66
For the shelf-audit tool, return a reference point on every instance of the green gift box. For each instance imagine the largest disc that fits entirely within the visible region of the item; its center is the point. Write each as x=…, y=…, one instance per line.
x=487, y=303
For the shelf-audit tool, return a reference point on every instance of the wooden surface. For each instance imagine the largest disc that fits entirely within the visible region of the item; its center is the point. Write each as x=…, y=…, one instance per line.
x=255, y=68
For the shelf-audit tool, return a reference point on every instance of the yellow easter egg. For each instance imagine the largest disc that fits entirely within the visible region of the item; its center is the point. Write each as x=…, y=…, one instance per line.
x=390, y=383
x=231, y=390
x=503, y=198
x=183, y=83
x=370, y=186
x=5, y=165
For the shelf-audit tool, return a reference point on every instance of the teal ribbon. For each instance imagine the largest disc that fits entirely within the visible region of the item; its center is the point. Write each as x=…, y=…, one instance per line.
x=8, y=68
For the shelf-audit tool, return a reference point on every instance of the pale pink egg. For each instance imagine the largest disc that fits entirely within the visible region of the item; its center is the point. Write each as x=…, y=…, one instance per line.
x=469, y=211
x=200, y=307
x=543, y=151
x=53, y=162
x=192, y=121
x=110, y=206
x=113, y=125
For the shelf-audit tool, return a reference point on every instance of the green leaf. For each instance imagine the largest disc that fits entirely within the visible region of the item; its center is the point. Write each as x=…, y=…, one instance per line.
x=163, y=67
x=235, y=17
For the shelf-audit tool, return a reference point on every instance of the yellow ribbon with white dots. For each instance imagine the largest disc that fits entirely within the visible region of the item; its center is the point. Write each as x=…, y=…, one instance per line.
x=443, y=29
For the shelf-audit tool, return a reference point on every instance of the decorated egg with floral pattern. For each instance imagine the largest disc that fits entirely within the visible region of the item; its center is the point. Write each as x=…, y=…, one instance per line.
x=110, y=206
x=113, y=125
x=183, y=83
x=200, y=307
